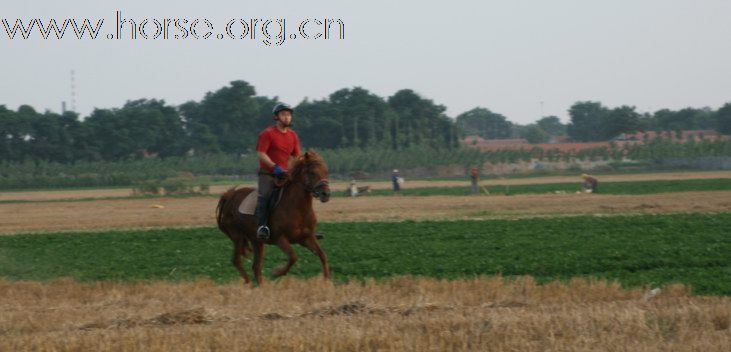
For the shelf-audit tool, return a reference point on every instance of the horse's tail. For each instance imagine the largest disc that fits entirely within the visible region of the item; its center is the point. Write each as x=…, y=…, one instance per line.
x=225, y=197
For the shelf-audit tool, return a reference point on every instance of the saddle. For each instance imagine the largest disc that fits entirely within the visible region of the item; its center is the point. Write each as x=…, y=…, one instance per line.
x=248, y=205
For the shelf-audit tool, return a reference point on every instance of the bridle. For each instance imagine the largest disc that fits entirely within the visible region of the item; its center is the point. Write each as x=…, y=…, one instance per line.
x=318, y=188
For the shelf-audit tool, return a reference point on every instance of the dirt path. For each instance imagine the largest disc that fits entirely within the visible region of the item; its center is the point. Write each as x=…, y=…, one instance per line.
x=199, y=211
x=338, y=186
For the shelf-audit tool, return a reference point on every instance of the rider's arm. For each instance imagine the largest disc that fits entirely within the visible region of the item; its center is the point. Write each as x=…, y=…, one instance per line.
x=266, y=159
x=262, y=145
x=297, y=151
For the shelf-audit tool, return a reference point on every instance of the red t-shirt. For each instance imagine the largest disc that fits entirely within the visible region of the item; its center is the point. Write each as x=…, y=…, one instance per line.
x=278, y=146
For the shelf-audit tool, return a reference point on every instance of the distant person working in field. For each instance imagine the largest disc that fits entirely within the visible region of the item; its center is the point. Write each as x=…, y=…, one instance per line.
x=275, y=146
x=396, y=180
x=590, y=183
x=355, y=191
x=475, y=177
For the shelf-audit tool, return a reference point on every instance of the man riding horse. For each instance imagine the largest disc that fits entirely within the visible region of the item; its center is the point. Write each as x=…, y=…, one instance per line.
x=275, y=146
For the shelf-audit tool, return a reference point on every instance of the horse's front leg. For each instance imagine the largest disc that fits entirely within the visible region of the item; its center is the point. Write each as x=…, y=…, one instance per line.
x=286, y=247
x=258, y=264
x=311, y=244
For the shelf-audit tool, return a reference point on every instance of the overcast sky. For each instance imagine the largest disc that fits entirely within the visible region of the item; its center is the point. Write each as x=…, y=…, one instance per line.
x=507, y=56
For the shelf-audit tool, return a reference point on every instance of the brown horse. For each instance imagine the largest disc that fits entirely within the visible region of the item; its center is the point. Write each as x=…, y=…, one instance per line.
x=292, y=220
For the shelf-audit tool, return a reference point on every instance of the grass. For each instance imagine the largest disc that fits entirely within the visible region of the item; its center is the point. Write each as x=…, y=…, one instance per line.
x=693, y=249
x=91, y=199
x=548, y=173
x=627, y=187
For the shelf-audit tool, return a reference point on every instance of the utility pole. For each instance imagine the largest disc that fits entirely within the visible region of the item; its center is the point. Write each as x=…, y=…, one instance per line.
x=73, y=91
x=542, y=114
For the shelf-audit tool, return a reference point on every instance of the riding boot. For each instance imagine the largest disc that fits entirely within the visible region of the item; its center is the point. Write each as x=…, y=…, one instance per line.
x=262, y=216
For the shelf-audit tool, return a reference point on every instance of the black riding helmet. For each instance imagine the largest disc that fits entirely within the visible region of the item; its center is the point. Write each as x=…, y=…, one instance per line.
x=281, y=107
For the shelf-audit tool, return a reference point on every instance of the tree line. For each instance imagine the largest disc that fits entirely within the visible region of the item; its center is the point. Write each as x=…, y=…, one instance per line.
x=591, y=121
x=228, y=120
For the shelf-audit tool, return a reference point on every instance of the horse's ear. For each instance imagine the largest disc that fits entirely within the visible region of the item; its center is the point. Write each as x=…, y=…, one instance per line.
x=307, y=155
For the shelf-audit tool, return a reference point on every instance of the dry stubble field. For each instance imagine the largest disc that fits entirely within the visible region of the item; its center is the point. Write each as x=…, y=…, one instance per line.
x=401, y=314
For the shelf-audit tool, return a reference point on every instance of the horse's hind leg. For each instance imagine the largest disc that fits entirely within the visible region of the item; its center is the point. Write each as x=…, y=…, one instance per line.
x=258, y=261
x=246, y=250
x=311, y=244
x=239, y=250
x=286, y=247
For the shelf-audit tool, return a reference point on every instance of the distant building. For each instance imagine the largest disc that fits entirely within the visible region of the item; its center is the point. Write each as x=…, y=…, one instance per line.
x=559, y=139
x=683, y=136
x=563, y=144
x=495, y=144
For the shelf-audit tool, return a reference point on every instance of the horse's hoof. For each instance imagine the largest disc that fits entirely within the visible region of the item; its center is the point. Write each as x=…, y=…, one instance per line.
x=319, y=236
x=279, y=272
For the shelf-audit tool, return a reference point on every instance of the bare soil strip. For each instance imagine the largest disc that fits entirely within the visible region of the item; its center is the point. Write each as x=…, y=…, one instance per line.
x=339, y=186
x=401, y=314
x=199, y=211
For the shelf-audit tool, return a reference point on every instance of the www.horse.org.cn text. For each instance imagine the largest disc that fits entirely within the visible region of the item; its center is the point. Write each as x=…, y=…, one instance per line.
x=267, y=31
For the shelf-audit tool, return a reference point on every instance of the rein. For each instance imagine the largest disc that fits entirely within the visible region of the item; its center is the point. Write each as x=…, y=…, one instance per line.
x=280, y=182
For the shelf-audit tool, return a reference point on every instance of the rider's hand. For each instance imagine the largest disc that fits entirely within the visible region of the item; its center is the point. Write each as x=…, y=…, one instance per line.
x=278, y=171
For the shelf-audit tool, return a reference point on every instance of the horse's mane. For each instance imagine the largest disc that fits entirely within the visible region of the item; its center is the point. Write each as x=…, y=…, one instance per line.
x=309, y=158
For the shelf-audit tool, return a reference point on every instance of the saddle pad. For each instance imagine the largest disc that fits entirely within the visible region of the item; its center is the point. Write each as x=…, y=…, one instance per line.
x=248, y=205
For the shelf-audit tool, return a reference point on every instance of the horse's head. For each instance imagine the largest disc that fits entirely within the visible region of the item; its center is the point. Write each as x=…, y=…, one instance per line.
x=311, y=171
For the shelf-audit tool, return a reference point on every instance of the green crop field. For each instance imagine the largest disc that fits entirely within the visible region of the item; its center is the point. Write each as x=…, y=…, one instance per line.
x=636, y=250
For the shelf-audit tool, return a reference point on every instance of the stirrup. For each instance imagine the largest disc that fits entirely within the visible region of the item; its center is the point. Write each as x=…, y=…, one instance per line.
x=262, y=232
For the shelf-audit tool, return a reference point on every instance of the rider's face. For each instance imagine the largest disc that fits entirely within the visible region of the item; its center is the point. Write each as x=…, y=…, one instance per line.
x=285, y=117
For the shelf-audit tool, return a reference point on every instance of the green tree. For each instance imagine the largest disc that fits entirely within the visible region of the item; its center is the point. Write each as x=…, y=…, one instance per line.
x=419, y=121
x=723, y=118
x=484, y=123
x=586, y=120
x=684, y=119
x=199, y=136
x=13, y=131
x=623, y=119
x=156, y=127
x=82, y=137
x=51, y=137
x=319, y=124
x=140, y=126
x=552, y=126
x=233, y=114
x=360, y=115
x=535, y=134
x=647, y=122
